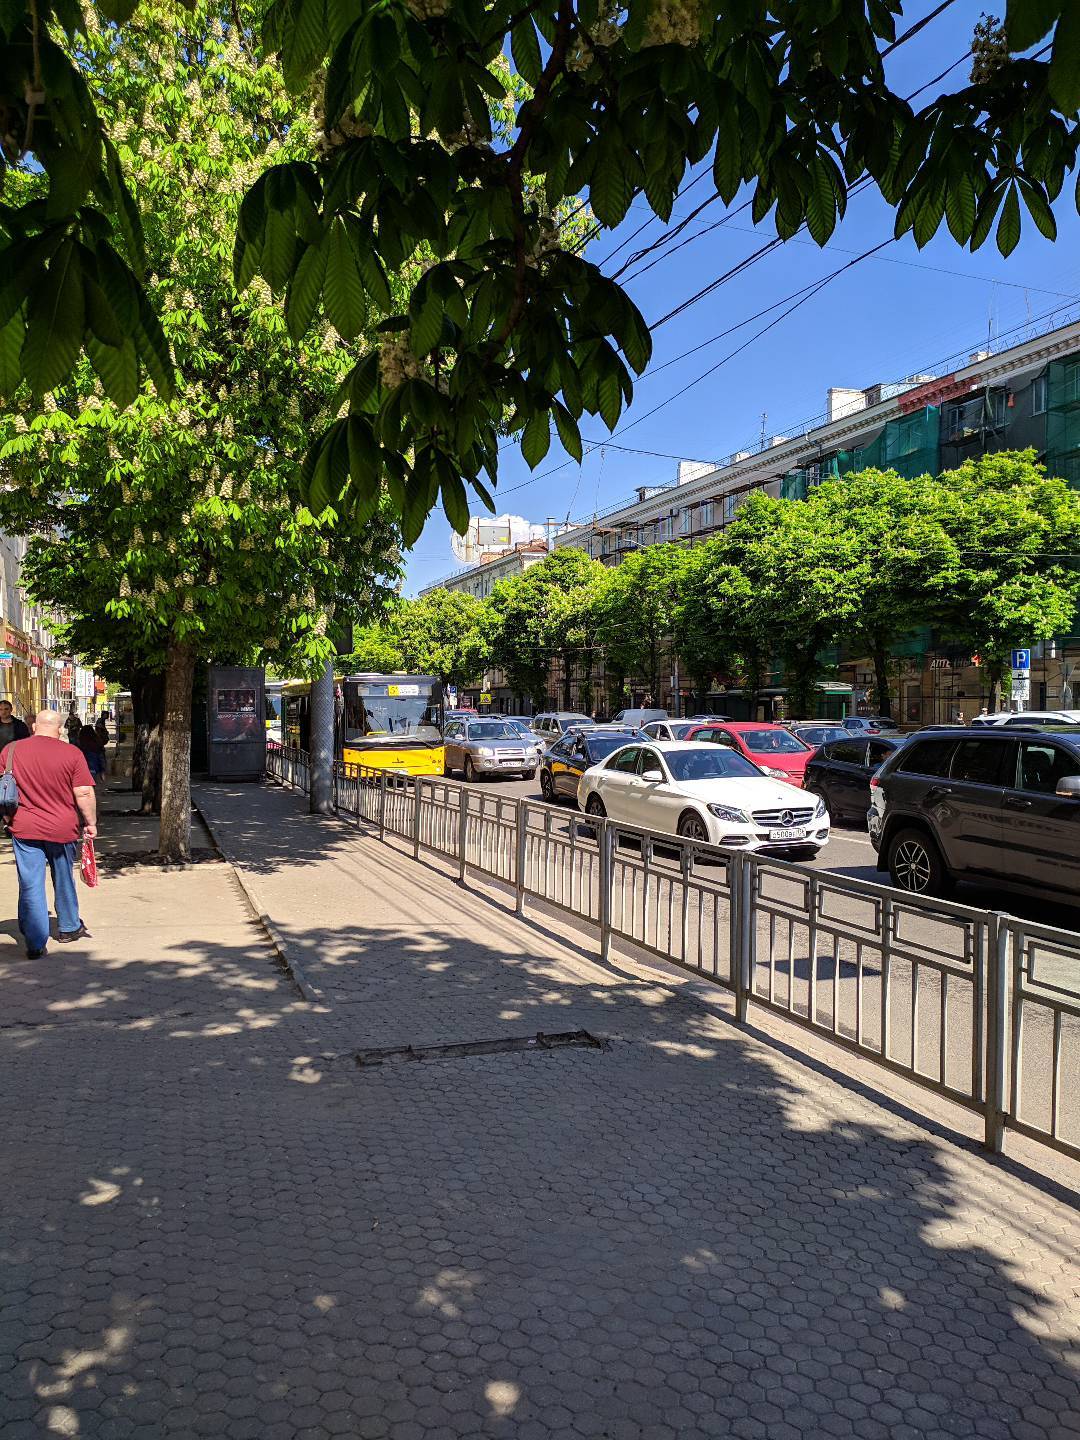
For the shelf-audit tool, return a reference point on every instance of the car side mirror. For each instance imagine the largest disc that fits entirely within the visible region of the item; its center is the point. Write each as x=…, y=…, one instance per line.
x=656, y=774
x=1068, y=787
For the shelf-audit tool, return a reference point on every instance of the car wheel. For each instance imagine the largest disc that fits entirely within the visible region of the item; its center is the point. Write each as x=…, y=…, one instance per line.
x=595, y=806
x=693, y=827
x=547, y=787
x=471, y=776
x=915, y=864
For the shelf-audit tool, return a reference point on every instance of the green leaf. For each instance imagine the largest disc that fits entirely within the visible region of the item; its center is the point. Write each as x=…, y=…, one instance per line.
x=364, y=470
x=153, y=350
x=455, y=500
x=371, y=270
x=1039, y=210
x=536, y=441
x=568, y=432
x=1008, y=230
x=1065, y=60
x=100, y=316
x=427, y=322
x=304, y=291
x=72, y=172
x=20, y=263
x=120, y=287
x=279, y=249
x=119, y=11
x=343, y=288
x=117, y=368
x=11, y=339
x=54, y=322
x=611, y=189
x=960, y=208
x=609, y=397
x=1027, y=21
x=525, y=48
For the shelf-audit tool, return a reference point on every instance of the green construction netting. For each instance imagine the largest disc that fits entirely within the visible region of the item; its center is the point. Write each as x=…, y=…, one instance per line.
x=796, y=483
x=909, y=445
x=1063, y=419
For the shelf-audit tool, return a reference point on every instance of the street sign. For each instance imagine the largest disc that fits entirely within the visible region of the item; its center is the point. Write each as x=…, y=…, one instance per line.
x=1021, y=687
x=485, y=699
x=1021, y=660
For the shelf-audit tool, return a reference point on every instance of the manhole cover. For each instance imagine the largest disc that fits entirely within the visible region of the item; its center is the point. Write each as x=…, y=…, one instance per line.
x=540, y=1041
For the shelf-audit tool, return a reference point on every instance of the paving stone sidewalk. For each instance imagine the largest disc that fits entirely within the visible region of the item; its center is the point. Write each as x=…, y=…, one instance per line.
x=214, y=1223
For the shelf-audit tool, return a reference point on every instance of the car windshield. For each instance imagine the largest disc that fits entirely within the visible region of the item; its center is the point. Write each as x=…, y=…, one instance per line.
x=601, y=746
x=773, y=742
x=821, y=734
x=711, y=762
x=566, y=721
x=493, y=730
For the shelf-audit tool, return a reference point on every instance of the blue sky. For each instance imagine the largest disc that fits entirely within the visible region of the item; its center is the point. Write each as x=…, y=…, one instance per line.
x=887, y=317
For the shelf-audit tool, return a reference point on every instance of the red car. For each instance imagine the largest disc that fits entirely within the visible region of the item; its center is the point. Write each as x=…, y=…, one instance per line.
x=772, y=748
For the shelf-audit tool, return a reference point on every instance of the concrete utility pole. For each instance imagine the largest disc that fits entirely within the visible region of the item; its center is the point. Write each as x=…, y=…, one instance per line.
x=321, y=742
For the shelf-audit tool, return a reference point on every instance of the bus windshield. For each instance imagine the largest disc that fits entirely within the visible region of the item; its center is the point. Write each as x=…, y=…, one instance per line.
x=374, y=716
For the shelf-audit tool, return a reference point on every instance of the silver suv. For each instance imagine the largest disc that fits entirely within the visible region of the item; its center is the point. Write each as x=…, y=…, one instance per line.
x=489, y=746
x=555, y=723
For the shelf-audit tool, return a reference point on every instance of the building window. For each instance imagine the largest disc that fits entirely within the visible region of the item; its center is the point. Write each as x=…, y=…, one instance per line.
x=1072, y=382
x=707, y=520
x=1038, y=395
x=684, y=520
x=729, y=507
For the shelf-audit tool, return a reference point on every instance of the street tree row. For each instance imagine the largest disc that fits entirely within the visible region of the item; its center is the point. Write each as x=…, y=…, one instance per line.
x=986, y=555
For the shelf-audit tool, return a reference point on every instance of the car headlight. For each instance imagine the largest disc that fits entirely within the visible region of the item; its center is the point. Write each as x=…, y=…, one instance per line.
x=820, y=809
x=730, y=814
x=485, y=750
x=776, y=774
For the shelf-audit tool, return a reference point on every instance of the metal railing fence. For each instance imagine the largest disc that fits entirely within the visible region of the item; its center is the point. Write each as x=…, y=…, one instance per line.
x=955, y=999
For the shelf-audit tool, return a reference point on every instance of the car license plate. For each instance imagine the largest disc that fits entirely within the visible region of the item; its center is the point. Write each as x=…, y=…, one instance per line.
x=511, y=763
x=787, y=834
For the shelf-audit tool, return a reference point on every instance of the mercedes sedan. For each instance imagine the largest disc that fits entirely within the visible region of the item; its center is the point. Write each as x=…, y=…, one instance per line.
x=708, y=793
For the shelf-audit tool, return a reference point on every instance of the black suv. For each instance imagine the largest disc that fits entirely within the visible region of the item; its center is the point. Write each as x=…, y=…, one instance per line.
x=989, y=806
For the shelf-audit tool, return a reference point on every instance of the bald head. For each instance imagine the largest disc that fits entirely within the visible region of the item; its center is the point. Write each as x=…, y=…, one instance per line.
x=47, y=722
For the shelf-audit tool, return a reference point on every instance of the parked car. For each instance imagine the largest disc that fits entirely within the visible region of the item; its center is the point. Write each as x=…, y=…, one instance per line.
x=868, y=724
x=840, y=772
x=564, y=763
x=1029, y=717
x=553, y=723
x=704, y=792
x=521, y=723
x=990, y=805
x=638, y=718
x=449, y=715
x=670, y=729
x=816, y=732
x=489, y=746
x=771, y=747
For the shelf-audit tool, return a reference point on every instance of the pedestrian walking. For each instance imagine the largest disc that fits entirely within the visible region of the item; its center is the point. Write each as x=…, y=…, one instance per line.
x=73, y=724
x=94, y=752
x=11, y=727
x=56, y=806
x=101, y=730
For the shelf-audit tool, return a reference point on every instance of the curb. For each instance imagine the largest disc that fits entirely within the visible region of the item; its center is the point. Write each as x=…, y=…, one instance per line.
x=292, y=967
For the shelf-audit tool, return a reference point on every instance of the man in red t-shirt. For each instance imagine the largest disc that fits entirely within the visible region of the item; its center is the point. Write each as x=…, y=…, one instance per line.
x=56, y=804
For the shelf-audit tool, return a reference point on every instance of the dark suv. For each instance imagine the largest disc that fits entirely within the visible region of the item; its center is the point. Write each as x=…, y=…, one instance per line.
x=989, y=806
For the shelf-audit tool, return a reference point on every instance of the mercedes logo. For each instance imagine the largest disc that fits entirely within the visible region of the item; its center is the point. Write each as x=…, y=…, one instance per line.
x=786, y=818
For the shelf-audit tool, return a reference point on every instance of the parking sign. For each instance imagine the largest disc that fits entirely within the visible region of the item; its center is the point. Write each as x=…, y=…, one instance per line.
x=1021, y=660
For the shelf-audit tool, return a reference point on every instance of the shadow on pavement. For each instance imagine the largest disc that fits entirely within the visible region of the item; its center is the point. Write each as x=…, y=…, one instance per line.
x=214, y=1223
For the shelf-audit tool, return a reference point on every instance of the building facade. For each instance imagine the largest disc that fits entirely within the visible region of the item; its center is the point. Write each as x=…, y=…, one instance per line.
x=27, y=675
x=1026, y=395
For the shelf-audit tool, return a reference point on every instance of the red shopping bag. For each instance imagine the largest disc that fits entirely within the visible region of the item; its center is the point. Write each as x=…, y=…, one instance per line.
x=89, y=863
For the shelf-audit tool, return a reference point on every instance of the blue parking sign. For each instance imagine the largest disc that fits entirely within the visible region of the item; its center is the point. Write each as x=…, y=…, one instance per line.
x=1021, y=659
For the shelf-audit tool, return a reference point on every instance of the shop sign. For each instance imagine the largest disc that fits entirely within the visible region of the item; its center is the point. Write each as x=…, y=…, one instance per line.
x=6, y=657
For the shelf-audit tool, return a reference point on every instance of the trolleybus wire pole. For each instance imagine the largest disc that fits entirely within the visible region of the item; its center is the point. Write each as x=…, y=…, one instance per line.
x=321, y=796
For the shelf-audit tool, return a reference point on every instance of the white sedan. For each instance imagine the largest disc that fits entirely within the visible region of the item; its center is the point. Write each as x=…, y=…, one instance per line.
x=704, y=792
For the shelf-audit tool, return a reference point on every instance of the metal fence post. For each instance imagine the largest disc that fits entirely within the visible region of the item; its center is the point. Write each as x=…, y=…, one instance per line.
x=997, y=1002
x=742, y=900
x=520, y=838
x=463, y=831
x=417, y=783
x=607, y=882
x=382, y=804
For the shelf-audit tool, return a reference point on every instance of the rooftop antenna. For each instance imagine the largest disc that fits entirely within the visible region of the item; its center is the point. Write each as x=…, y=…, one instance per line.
x=764, y=423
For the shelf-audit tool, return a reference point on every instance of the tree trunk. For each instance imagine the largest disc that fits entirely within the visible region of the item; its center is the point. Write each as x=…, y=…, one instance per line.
x=148, y=706
x=994, y=675
x=321, y=743
x=176, y=753
x=881, y=681
x=151, y=773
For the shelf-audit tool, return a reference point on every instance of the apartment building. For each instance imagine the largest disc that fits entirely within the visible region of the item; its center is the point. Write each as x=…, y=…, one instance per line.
x=28, y=677
x=1025, y=395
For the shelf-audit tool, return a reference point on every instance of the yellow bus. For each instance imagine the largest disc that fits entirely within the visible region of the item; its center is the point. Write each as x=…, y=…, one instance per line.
x=389, y=722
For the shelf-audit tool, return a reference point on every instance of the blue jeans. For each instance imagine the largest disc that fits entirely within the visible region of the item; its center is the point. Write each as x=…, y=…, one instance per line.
x=31, y=858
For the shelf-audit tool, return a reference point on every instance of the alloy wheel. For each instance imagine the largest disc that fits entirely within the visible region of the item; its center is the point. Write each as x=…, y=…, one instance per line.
x=912, y=866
